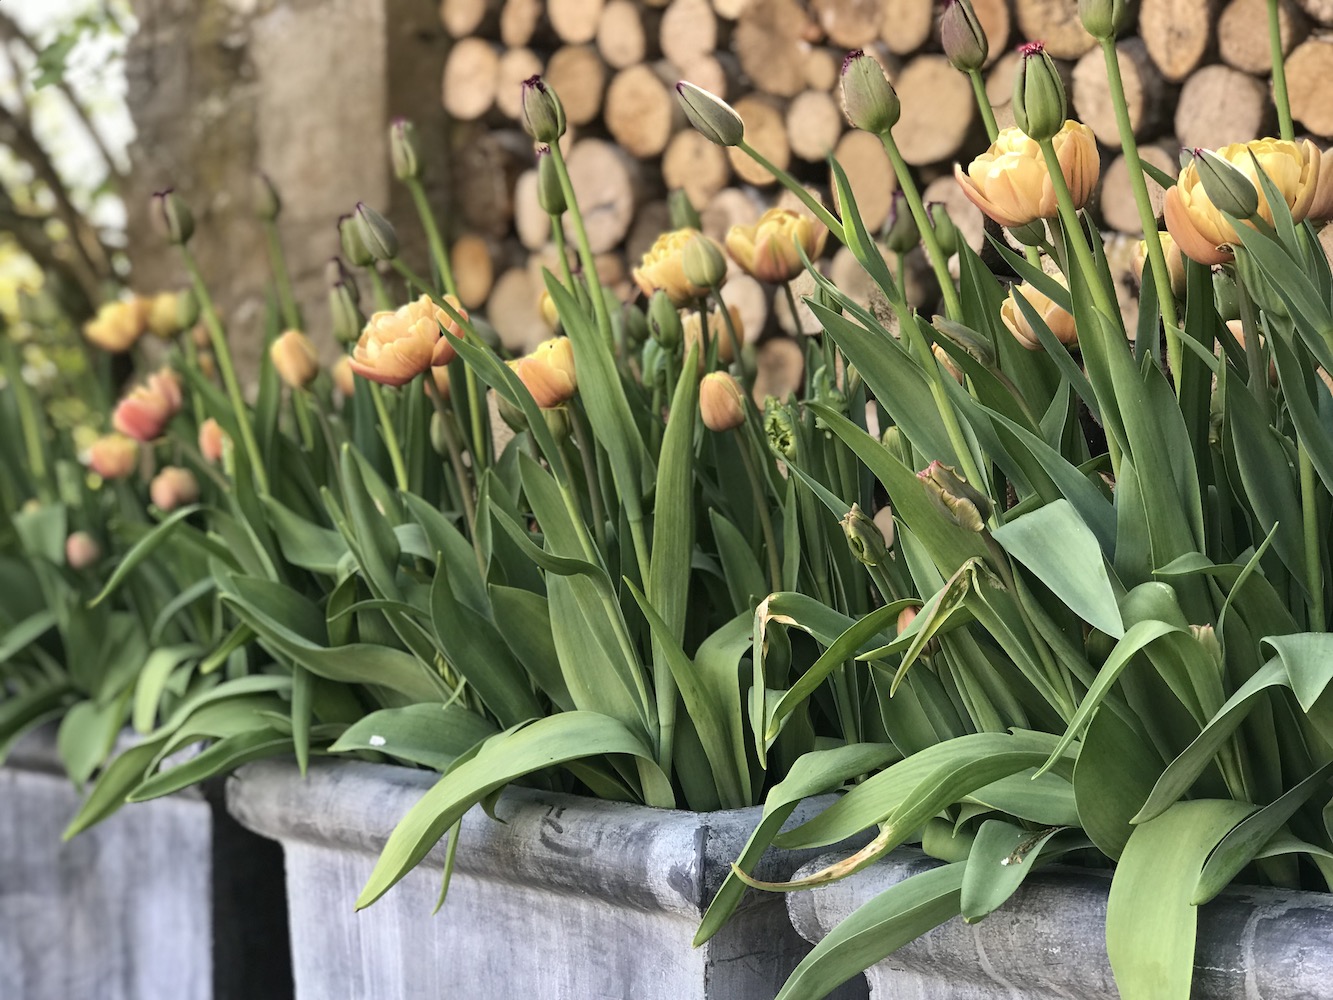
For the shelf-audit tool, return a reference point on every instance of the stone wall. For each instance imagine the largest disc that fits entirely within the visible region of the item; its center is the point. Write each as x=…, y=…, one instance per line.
x=302, y=90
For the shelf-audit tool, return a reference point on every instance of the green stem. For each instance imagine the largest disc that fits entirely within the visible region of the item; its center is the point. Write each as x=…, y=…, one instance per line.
x=747, y=376
x=32, y=428
x=931, y=367
x=1166, y=299
x=1314, y=563
x=561, y=249
x=952, y=305
x=227, y=370
x=983, y=104
x=461, y=473
x=382, y=299
x=390, y=435
x=1280, y=99
x=438, y=254
x=761, y=505
x=795, y=187
x=282, y=278
x=587, y=452
x=302, y=412
x=585, y=248
x=1075, y=239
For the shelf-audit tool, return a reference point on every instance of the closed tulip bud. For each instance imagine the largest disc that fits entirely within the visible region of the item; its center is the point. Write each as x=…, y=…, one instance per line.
x=172, y=218
x=721, y=402
x=962, y=36
x=404, y=150
x=212, y=441
x=664, y=320
x=558, y=422
x=901, y=234
x=265, y=197
x=884, y=522
x=955, y=496
x=905, y=619
x=344, y=379
x=683, y=213
x=118, y=325
x=1206, y=636
x=344, y=314
x=376, y=233
x=550, y=193
x=868, y=99
x=1227, y=188
x=1321, y=207
x=948, y=364
x=439, y=436
x=354, y=247
x=1058, y=320
x=703, y=262
x=173, y=487
x=1226, y=296
x=81, y=550
x=1103, y=19
x=114, y=456
x=187, y=309
x=546, y=306
x=1039, y=103
x=295, y=359
x=439, y=383
x=895, y=444
x=548, y=372
x=1175, y=263
x=864, y=537
x=780, y=428
x=164, y=316
x=946, y=233
x=636, y=326
x=543, y=114
x=511, y=414
x=713, y=118
x=336, y=271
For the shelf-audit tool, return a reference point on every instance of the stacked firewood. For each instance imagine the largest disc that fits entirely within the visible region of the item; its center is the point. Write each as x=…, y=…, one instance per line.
x=1196, y=73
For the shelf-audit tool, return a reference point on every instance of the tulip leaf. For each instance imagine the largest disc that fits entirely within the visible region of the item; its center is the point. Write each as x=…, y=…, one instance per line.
x=433, y=736
x=999, y=860
x=1113, y=777
x=533, y=644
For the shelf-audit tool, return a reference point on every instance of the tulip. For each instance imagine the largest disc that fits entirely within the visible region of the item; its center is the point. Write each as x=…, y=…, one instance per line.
x=404, y=150
x=164, y=315
x=146, y=411
x=901, y=234
x=81, y=550
x=396, y=347
x=1039, y=102
x=1175, y=263
x=265, y=198
x=172, y=217
x=962, y=36
x=663, y=267
x=721, y=402
x=173, y=487
x=717, y=333
x=113, y=456
x=344, y=379
x=868, y=99
x=1010, y=183
x=440, y=378
x=770, y=250
x=212, y=440
x=1200, y=229
x=1061, y=323
x=1321, y=209
x=344, y=315
x=703, y=262
x=546, y=306
x=550, y=191
x=543, y=114
x=1104, y=18
x=167, y=384
x=714, y=119
x=376, y=233
x=294, y=358
x=963, y=502
x=118, y=325
x=548, y=372
x=864, y=537
x=948, y=364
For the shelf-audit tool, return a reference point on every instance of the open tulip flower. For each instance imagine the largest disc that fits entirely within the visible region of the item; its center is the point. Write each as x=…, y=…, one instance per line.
x=114, y=456
x=1010, y=182
x=1203, y=232
x=144, y=414
x=768, y=250
x=118, y=325
x=397, y=346
x=663, y=268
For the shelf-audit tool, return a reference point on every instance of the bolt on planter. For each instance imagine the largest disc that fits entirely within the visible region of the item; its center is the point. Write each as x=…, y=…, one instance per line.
x=566, y=898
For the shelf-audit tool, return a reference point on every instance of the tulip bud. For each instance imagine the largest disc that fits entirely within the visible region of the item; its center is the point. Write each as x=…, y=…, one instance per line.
x=558, y=422
x=335, y=271
x=344, y=314
x=721, y=402
x=172, y=217
x=868, y=99
x=187, y=309
x=664, y=320
x=212, y=440
x=543, y=114
x=113, y=456
x=354, y=247
x=294, y=358
x=511, y=414
x=267, y=203
x=946, y=234
x=864, y=537
x=439, y=437
x=683, y=213
x=962, y=36
x=901, y=234
x=81, y=550
x=164, y=316
x=550, y=195
x=1103, y=19
x=780, y=428
x=439, y=383
x=173, y=487
x=344, y=379
x=404, y=150
x=548, y=372
x=376, y=233
x=1226, y=296
x=1206, y=636
x=1039, y=105
x=636, y=326
x=703, y=263
x=883, y=520
x=714, y=119
x=961, y=501
x=895, y=444
x=1227, y=188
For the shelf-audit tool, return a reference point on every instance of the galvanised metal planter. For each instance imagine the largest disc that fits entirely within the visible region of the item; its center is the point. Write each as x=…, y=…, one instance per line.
x=165, y=900
x=1049, y=940
x=567, y=898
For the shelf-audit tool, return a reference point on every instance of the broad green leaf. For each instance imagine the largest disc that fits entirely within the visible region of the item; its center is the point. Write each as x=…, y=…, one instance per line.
x=533, y=644
x=112, y=785
x=430, y=735
x=1113, y=777
x=1001, y=857
x=304, y=544
x=157, y=670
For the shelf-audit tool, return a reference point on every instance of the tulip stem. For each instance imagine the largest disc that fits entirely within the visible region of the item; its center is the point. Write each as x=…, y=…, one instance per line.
x=382, y=300
x=983, y=104
x=1075, y=240
x=225, y=368
x=302, y=413
x=1314, y=564
x=1280, y=99
x=562, y=251
x=450, y=436
x=585, y=247
x=588, y=453
x=795, y=187
x=733, y=336
x=390, y=436
x=1166, y=299
x=761, y=505
x=952, y=305
x=291, y=315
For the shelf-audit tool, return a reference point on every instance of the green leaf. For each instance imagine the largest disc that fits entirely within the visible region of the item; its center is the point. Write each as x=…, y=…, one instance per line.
x=112, y=785
x=145, y=547
x=303, y=544
x=87, y=734
x=509, y=755
x=433, y=736
x=25, y=633
x=157, y=670
x=1113, y=777
x=533, y=644
x=224, y=756
x=1151, y=920
x=1001, y=857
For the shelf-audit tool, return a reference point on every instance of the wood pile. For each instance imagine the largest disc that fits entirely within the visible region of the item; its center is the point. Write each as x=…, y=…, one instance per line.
x=1196, y=74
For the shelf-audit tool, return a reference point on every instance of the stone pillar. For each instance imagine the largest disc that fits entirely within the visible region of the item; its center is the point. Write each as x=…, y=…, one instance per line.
x=302, y=90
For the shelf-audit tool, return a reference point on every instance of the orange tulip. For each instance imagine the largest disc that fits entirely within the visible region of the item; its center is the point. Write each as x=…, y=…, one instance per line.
x=768, y=250
x=113, y=456
x=1010, y=182
x=1061, y=323
x=548, y=372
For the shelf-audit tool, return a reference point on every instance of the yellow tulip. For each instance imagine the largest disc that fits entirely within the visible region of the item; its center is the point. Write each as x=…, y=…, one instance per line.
x=768, y=249
x=164, y=315
x=343, y=376
x=212, y=441
x=294, y=358
x=114, y=456
x=717, y=332
x=548, y=372
x=663, y=267
x=1060, y=322
x=1010, y=182
x=1202, y=232
x=1321, y=209
x=118, y=325
x=1175, y=263
x=721, y=402
x=396, y=347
